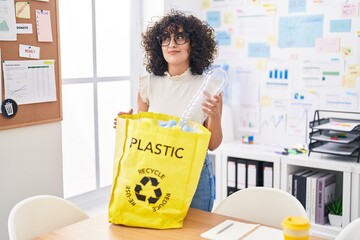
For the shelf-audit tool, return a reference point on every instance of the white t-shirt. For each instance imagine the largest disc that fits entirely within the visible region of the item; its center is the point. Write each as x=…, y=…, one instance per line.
x=169, y=94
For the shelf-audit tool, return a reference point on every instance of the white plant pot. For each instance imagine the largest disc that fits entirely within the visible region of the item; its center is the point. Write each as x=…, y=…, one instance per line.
x=335, y=220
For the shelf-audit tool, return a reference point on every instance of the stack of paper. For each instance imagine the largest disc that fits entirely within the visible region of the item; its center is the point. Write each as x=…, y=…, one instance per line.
x=231, y=230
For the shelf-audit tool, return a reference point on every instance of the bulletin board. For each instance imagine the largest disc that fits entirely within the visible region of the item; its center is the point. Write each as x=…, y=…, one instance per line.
x=43, y=112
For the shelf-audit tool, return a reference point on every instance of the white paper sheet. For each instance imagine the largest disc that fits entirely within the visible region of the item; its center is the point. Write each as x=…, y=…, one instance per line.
x=24, y=28
x=263, y=232
x=7, y=20
x=27, y=51
x=30, y=81
x=43, y=25
x=229, y=230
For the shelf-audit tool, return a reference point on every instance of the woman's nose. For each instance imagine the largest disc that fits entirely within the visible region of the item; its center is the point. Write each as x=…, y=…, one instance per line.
x=172, y=42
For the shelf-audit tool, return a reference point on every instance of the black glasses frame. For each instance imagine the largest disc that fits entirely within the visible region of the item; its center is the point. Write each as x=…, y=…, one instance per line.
x=180, y=33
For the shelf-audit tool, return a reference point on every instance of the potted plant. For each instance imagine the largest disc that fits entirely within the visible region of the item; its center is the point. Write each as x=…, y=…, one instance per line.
x=334, y=209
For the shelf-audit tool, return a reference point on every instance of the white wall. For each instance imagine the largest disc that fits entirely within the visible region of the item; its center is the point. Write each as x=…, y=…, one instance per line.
x=30, y=164
x=188, y=7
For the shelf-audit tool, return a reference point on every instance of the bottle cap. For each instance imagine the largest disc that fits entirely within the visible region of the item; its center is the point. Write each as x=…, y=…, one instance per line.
x=296, y=223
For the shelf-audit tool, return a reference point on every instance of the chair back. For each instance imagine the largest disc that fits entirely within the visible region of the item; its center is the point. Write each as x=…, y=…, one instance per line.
x=350, y=231
x=41, y=214
x=268, y=206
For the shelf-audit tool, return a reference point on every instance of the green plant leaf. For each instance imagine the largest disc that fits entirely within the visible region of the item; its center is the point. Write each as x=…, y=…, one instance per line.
x=335, y=207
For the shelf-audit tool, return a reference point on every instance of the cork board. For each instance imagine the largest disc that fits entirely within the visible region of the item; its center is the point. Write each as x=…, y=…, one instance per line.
x=44, y=112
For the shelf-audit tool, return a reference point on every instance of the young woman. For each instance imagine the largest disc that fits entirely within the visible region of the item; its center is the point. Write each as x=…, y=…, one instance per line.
x=178, y=51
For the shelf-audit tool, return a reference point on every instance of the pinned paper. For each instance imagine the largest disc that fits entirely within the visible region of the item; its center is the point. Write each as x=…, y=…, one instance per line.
x=353, y=70
x=348, y=81
x=205, y=4
x=340, y=25
x=266, y=101
x=346, y=51
x=228, y=18
x=29, y=51
x=22, y=9
x=261, y=65
x=327, y=44
x=239, y=43
x=224, y=38
x=7, y=21
x=349, y=10
x=296, y=6
x=214, y=18
x=272, y=40
x=254, y=2
x=24, y=28
x=270, y=9
x=258, y=49
x=43, y=25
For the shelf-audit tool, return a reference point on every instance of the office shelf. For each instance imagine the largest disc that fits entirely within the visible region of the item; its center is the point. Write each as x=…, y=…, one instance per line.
x=347, y=172
x=336, y=136
x=343, y=171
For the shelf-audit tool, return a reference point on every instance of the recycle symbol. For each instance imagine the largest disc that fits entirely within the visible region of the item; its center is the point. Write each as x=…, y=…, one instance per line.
x=145, y=183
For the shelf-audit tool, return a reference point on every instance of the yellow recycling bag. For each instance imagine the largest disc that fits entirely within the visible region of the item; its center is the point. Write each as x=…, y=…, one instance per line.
x=156, y=171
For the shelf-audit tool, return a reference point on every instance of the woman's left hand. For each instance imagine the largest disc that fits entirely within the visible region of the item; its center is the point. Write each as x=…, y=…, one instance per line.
x=212, y=105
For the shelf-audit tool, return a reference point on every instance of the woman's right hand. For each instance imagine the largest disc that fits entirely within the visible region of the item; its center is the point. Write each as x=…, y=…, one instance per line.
x=121, y=113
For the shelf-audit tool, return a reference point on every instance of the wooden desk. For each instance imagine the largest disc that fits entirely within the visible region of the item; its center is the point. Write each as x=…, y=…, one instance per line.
x=98, y=228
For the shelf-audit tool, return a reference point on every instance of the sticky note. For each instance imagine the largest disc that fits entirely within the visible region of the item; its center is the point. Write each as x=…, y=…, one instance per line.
x=22, y=9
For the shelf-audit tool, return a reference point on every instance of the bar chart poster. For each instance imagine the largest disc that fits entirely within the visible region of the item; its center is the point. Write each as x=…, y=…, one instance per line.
x=278, y=75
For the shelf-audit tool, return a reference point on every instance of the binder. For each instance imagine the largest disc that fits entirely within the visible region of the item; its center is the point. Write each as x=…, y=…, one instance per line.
x=252, y=168
x=267, y=174
x=231, y=170
x=231, y=176
x=241, y=173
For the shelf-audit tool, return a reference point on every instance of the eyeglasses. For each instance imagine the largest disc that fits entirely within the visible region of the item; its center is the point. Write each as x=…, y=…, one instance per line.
x=179, y=38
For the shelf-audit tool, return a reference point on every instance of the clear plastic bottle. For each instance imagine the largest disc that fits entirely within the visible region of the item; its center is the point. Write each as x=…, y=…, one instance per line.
x=214, y=83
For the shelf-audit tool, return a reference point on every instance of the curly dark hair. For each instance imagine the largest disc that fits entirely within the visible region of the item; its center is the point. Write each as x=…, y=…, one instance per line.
x=203, y=47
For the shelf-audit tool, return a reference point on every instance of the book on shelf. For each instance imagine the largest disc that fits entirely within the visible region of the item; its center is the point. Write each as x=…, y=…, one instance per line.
x=300, y=183
x=313, y=196
x=326, y=190
x=293, y=182
x=308, y=192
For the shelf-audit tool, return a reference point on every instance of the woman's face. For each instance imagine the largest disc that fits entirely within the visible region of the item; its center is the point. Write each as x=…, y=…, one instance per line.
x=176, y=48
